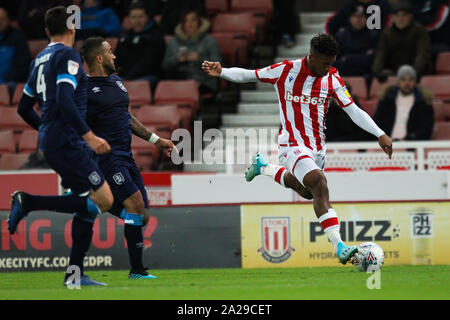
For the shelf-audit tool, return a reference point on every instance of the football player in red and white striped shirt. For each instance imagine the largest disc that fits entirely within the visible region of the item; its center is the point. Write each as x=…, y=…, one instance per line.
x=304, y=88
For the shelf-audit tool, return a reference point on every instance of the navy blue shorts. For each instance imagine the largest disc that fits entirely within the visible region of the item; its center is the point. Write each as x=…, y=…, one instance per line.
x=124, y=179
x=76, y=166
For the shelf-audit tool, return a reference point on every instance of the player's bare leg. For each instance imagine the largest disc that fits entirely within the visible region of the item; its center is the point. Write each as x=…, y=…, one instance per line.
x=316, y=182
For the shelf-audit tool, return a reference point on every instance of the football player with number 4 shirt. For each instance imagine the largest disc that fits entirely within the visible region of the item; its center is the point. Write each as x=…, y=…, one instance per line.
x=304, y=88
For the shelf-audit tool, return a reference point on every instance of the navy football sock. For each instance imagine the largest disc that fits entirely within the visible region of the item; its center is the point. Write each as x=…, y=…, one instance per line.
x=135, y=242
x=81, y=240
x=66, y=204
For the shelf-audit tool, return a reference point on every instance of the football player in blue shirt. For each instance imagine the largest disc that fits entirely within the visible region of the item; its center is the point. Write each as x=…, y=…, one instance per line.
x=58, y=82
x=109, y=117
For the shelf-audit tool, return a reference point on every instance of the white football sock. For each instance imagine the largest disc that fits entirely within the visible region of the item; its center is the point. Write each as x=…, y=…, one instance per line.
x=275, y=172
x=330, y=225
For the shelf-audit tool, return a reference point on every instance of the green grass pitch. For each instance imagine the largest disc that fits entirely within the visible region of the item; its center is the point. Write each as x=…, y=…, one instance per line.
x=397, y=282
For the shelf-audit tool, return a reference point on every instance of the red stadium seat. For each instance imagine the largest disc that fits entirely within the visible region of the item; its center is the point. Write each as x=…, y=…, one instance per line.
x=139, y=92
x=182, y=92
x=162, y=117
x=18, y=91
x=358, y=86
x=10, y=120
x=338, y=169
x=441, y=131
x=234, y=51
x=439, y=85
x=214, y=7
x=369, y=106
x=36, y=46
x=13, y=161
x=145, y=154
x=438, y=108
x=388, y=168
x=443, y=63
x=7, y=143
x=443, y=168
x=28, y=141
x=259, y=6
x=4, y=95
x=239, y=24
x=376, y=86
x=113, y=43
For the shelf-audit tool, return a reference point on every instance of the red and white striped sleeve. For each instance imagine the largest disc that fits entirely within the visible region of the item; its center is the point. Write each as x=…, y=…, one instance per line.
x=340, y=92
x=272, y=73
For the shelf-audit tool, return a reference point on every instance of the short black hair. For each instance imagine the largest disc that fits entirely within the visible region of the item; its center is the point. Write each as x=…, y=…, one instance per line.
x=324, y=44
x=138, y=5
x=91, y=48
x=56, y=20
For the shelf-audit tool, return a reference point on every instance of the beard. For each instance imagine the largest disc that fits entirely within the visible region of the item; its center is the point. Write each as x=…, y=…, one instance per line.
x=109, y=69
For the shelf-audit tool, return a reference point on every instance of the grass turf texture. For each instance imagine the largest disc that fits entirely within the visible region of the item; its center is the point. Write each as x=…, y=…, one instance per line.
x=397, y=282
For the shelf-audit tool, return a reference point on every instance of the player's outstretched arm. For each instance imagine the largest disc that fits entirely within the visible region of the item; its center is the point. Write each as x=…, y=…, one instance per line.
x=139, y=130
x=238, y=75
x=365, y=122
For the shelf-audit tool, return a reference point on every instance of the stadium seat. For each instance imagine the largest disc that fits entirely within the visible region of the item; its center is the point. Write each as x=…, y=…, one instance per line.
x=180, y=92
x=113, y=42
x=139, y=91
x=388, y=168
x=443, y=63
x=13, y=161
x=214, y=7
x=241, y=25
x=18, y=91
x=369, y=106
x=233, y=51
x=358, y=86
x=145, y=154
x=258, y=6
x=7, y=143
x=443, y=168
x=163, y=117
x=441, y=131
x=4, y=95
x=338, y=169
x=36, y=46
x=438, y=108
x=10, y=120
x=439, y=85
x=376, y=86
x=28, y=141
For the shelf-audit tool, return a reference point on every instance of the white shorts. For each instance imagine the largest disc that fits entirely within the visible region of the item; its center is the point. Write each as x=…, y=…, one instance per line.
x=301, y=159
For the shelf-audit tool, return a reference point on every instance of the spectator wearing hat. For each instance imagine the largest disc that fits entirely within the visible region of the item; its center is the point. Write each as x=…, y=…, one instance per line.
x=405, y=42
x=357, y=45
x=340, y=19
x=405, y=109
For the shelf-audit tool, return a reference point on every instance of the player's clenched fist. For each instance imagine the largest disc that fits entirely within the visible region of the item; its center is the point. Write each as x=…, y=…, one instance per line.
x=99, y=145
x=166, y=146
x=386, y=144
x=213, y=69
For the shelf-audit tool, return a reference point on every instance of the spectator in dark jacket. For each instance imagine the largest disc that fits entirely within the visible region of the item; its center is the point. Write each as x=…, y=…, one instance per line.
x=172, y=10
x=188, y=49
x=339, y=126
x=340, y=19
x=31, y=16
x=357, y=45
x=97, y=21
x=14, y=53
x=405, y=110
x=140, y=50
x=405, y=42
